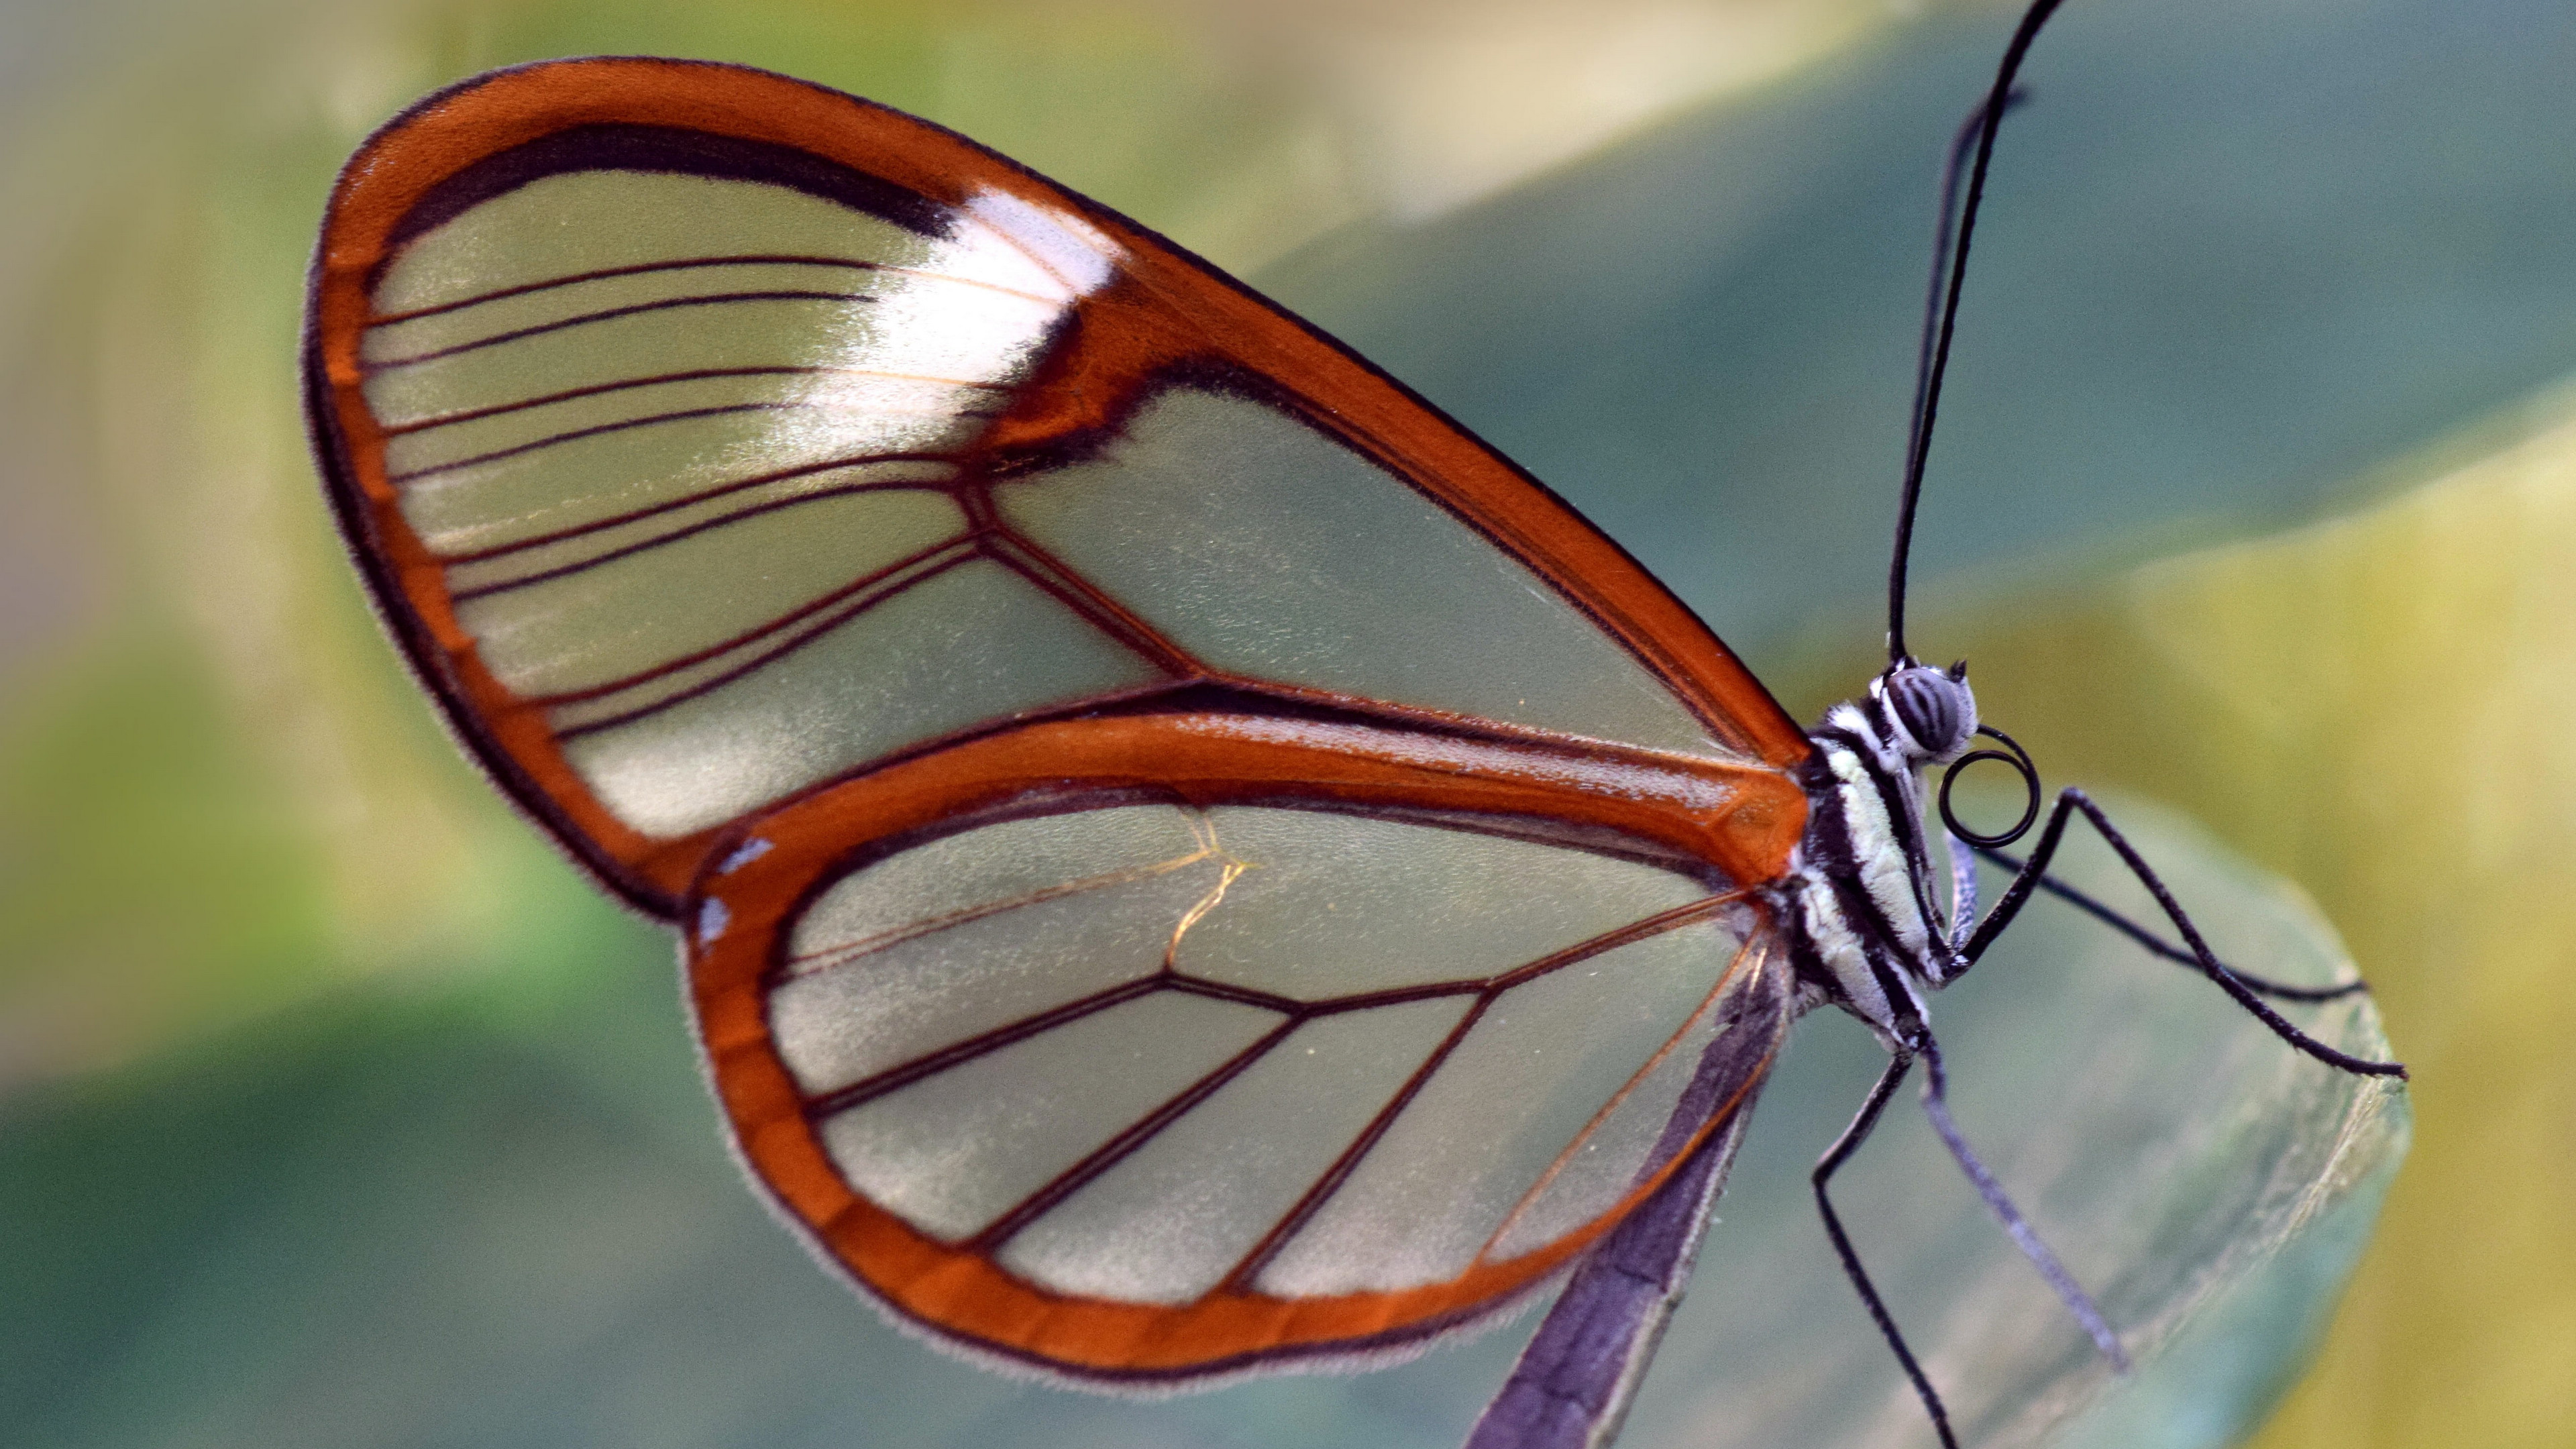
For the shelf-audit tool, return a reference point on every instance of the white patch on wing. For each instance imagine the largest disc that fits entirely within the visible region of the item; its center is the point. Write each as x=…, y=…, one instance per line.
x=1071, y=249
x=977, y=309
x=1593, y=777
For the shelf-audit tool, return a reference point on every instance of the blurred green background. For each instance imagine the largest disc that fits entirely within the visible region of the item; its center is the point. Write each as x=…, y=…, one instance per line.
x=2256, y=494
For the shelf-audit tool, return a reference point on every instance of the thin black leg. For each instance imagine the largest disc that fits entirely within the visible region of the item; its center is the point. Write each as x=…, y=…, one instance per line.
x=1835, y=1156
x=2158, y=945
x=1936, y=1105
x=2015, y=896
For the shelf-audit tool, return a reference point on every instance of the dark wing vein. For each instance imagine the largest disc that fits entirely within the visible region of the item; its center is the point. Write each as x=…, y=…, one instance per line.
x=691, y=500
x=677, y=415
x=924, y=565
x=683, y=264
x=708, y=299
x=701, y=374
x=1486, y=990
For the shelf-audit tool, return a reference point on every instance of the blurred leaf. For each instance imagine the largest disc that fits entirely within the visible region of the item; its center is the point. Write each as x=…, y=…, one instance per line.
x=147, y=877
x=452, y=1216
x=2375, y=706
x=2233, y=256
x=2206, y=1183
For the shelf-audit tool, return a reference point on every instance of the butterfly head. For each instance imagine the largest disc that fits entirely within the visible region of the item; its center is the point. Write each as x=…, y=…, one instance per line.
x=1931, y=713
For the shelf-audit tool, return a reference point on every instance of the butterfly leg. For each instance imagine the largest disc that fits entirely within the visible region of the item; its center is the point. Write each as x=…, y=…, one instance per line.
x=2072, y=801
x=2155, y=944
x=1936, y=1105
x=1835, y=1156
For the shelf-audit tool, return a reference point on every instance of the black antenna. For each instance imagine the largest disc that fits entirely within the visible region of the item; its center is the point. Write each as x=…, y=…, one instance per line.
x=1954, y=173
x=1941, y=311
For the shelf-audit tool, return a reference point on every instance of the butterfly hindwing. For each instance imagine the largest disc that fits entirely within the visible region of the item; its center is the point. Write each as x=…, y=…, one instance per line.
x=1185, y=1051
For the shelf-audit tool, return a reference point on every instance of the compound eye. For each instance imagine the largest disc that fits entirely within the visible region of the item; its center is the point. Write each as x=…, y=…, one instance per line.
x=1935, y=709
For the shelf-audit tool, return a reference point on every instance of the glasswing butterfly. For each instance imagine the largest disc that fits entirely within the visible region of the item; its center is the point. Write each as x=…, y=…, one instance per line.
x=1189, y=863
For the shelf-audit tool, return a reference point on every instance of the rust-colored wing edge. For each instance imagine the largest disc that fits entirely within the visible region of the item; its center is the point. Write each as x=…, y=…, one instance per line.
x=1743, y=818
x=1169, y=311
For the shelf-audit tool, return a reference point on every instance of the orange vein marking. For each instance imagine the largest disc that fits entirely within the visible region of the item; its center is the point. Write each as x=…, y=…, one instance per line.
x=810, y=962
x=1204, y=830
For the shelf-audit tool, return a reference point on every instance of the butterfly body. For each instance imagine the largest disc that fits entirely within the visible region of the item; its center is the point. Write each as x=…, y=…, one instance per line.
x=1866, y=932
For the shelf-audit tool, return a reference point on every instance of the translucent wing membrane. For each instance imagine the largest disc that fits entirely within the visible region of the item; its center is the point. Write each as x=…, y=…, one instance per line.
x=1310, y=1080
x=1349, y=949
x=710, y=437
x=1255, y=543
x=1190, y=861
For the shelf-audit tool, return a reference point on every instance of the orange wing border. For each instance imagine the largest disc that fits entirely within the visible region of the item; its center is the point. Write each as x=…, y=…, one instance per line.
x=1742, y=819
x=1167, y=315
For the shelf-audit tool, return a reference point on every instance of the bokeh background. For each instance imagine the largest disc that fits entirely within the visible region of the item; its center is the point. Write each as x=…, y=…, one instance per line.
x=2256, y=495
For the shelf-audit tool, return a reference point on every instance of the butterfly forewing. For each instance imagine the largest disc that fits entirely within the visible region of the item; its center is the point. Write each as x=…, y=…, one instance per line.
x=712, y=436
x=1189, y=859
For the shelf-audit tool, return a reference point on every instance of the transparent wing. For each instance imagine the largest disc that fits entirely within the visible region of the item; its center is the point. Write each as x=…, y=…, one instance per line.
x=1190, y=859
x=1145, y=1089
x=708, y=436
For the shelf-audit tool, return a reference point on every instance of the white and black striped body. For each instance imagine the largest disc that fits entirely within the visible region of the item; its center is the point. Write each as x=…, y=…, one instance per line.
x=1866, y=931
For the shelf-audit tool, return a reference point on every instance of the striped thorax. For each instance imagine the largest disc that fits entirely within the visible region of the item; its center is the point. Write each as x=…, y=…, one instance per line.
x=1867, y=933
